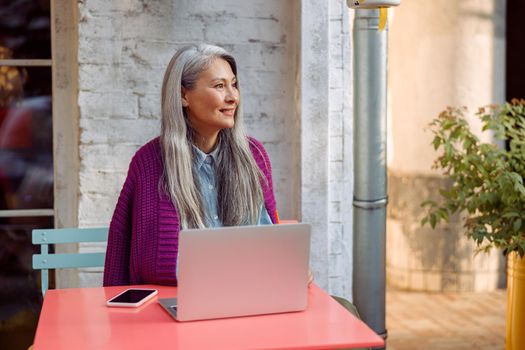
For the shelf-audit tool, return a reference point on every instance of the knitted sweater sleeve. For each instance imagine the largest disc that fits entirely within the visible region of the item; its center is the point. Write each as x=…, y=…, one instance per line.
x=263, y=161
x=116, y=267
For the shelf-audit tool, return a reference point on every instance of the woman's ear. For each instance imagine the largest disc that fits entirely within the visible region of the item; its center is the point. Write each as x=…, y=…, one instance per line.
x=183, y=99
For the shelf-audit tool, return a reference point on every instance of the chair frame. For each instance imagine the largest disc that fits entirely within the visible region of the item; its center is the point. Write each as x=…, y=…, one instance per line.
x=45, y=261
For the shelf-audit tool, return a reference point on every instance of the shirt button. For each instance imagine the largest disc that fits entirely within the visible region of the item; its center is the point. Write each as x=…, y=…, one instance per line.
x=210, y=187
x=215, y=217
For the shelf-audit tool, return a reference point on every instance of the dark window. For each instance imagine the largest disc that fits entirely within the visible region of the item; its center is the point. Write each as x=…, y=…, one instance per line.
x=26, y=162
x=515, y=66
x=24, y=28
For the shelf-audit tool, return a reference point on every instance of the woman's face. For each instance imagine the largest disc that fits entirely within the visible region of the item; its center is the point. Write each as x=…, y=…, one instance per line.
x=211, y=104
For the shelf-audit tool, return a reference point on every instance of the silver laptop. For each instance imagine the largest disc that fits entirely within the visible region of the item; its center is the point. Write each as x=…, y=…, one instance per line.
x=241, y=271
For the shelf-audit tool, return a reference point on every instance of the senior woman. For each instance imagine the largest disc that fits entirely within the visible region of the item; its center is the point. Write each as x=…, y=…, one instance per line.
x=203, y=171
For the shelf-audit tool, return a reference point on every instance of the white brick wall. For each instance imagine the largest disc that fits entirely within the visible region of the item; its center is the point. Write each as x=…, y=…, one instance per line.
x=314, y=102
x=124, y=47
x=326, y=160
x=340, y=168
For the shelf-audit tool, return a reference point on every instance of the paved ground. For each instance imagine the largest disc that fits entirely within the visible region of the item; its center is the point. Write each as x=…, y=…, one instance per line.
x=458, y=321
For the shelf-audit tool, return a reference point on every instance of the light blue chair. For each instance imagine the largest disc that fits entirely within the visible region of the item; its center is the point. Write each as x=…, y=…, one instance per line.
x=45, y=261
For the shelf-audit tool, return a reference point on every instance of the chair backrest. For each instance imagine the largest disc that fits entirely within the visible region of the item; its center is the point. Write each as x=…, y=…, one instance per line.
x=45, y=261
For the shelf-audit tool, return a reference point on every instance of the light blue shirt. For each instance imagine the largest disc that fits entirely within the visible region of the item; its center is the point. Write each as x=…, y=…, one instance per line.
x=205, y=166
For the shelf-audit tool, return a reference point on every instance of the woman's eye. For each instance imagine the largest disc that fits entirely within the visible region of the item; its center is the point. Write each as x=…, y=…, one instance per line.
x=234, y=85
x=219, y=86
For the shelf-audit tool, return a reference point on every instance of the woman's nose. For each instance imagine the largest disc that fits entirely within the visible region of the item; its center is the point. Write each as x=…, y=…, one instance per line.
x=232, y=95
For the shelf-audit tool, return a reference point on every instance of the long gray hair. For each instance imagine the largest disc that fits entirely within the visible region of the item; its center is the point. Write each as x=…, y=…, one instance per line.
x=239, y=189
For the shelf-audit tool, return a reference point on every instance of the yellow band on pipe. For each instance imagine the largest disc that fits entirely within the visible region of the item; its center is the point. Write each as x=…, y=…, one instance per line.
x=383, y=15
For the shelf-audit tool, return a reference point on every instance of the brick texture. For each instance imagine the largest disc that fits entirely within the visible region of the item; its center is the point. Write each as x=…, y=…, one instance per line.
x=123, y=50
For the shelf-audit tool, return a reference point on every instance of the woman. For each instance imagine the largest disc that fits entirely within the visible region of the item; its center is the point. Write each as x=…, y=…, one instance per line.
x=202, y=171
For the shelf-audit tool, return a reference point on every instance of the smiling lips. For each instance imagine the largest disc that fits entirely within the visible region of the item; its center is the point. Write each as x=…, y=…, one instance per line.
x=229, y=112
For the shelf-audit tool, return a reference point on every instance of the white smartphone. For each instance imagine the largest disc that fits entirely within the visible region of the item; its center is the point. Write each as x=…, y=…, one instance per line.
x=132, y=297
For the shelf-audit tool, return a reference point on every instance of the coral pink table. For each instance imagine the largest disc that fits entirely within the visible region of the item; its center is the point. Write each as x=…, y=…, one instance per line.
x=79, y=319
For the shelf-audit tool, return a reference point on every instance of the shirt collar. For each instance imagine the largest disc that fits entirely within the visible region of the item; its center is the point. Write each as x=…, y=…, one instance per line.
x=200, y=156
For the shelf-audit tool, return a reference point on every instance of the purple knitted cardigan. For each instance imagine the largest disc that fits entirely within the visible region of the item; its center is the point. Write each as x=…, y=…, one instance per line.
x=144, y=231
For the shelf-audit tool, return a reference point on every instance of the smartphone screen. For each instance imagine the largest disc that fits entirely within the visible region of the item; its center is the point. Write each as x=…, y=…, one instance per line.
x=132, y=297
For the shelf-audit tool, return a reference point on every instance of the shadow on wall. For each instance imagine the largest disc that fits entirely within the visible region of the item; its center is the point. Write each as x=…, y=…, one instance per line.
x=424, y=259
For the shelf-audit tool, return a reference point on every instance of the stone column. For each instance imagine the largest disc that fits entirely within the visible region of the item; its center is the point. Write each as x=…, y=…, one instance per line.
x=442, y=53
x=314, y=109
x=325, y=128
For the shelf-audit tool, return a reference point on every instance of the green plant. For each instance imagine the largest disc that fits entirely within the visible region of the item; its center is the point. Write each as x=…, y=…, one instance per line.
x=486, y=178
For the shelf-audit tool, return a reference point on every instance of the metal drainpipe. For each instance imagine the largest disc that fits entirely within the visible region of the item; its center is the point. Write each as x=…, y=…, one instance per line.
x=370, y=172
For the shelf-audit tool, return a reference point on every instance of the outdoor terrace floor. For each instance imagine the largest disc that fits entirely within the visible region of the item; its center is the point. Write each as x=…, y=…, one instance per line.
x=459, y=321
